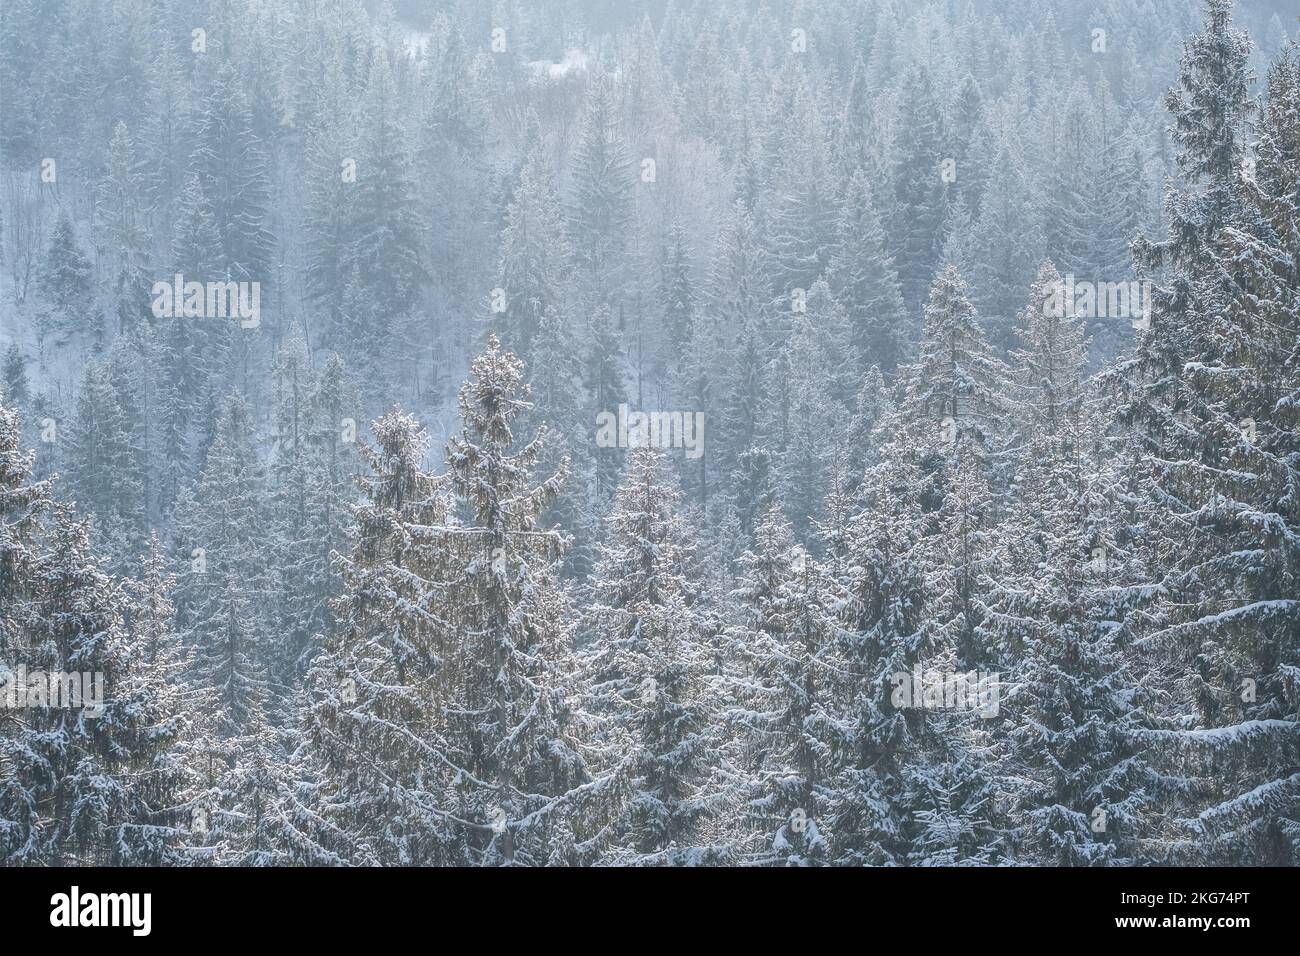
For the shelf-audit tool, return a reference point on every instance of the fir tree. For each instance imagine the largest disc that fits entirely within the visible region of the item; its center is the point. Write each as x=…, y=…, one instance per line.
x=90, y=775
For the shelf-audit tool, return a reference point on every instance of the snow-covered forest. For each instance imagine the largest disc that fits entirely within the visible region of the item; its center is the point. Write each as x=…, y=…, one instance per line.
x=678, y=432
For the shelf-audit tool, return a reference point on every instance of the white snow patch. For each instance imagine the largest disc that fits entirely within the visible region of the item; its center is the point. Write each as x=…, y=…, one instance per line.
x=575, y=60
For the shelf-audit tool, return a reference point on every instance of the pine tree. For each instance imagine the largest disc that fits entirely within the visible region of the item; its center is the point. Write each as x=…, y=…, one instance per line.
x=1077, y=783
x=1006, y=242
x=677, y=294
x=329, y=214
x=119, y=215
x=374, y=723
x=738, y=323
x=562, y=404
x=106, y=473
x=164, y=134
x=745, y=397
x=197, y=354
x=1211, y=108
x=605, y=383
x=961, y=559
x=196, y=242
x=1049, y=366
x=697, y=385
x=855, y=138
x=235, y=695
x=799, y=224
x=881, y=634
x=511, y=664
x=814, y=382
x=24, y=510
x=871, y=408
x=13, y=375
x=385, y=229
x=306, y=505
x=955, y=387
x=915, y=573
x=222, y=596
x=330, y=489
x=167, y=778
x=437, y=708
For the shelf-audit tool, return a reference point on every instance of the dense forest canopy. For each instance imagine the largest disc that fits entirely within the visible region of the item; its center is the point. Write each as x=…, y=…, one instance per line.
x=578, y=432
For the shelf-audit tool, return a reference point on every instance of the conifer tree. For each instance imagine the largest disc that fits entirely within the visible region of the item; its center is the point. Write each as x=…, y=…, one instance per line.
x=645, y=666
x=1077, y=782
x=956, y=384
x=600, y=207
x=678, y=294
x=106, y=476
x=514, y=716
x=230, y=162
x=881, y=634
x=329, y=219
x=800, y=221
x=863, y=278
x=90, y=776
x=385, y=227
x=1050, y=364
x=779, y=718
x=119, y=214
x=919, y=190
x=1218, y=437
x=376, y=731
x=536, y=255
x=64, y=281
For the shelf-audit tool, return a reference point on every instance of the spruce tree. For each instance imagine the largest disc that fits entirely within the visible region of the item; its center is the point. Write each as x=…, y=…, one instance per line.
x=600, y=204
x=514, y=656
x=535, y=257
x=919, y=189
x=778, y=713
x=863, y=278
x=88, y=778
x=1218, y=436
x=64, y=280
x=645, y=666
x=373, y=722
x=230, y=161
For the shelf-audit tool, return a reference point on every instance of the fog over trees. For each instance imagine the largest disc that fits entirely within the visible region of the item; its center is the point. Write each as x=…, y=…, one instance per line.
x=666, y=433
